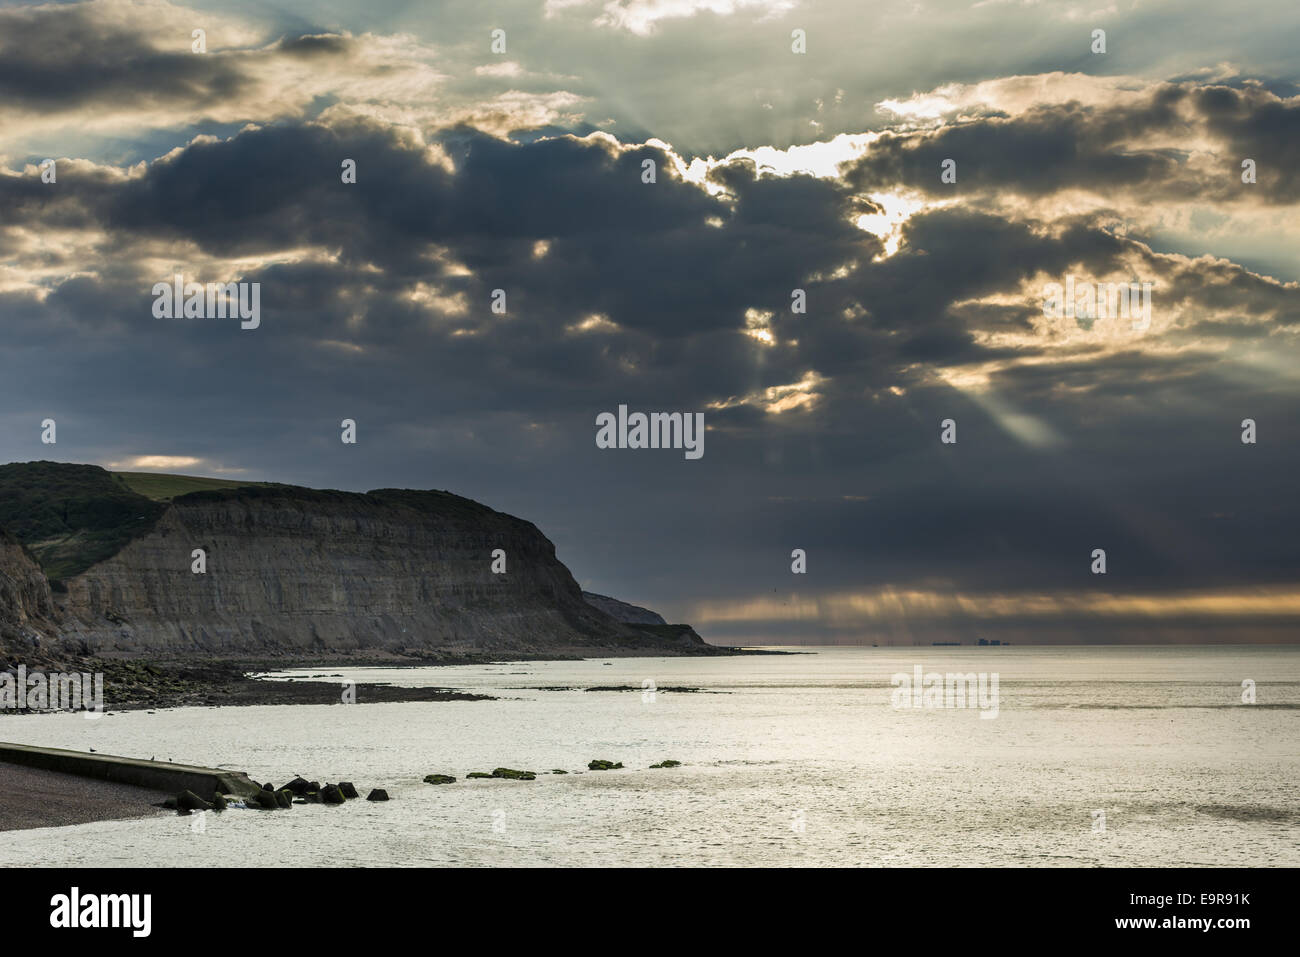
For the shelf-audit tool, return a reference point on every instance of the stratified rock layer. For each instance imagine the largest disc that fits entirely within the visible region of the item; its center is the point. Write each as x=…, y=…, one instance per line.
x=623, y=611
x=301, y=572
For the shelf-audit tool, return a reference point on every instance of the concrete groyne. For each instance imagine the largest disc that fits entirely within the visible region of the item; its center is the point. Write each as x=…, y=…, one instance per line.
x=155, y=775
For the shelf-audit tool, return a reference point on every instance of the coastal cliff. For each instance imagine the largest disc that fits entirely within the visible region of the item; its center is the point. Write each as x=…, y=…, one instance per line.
x=300, y=573
x=623, y=611
x=26, y=605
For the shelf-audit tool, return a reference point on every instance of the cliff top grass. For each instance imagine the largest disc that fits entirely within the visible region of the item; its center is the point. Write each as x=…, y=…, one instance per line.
x=162, y=487
x=446, y=504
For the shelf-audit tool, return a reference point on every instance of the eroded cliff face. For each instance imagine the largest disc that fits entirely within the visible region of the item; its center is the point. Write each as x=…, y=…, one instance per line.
x=623, y=611
x=26, y=606
x=300, y=573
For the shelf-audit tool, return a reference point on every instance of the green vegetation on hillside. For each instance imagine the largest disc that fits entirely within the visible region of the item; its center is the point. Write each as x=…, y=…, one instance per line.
x=71, y=516
x=162, y=488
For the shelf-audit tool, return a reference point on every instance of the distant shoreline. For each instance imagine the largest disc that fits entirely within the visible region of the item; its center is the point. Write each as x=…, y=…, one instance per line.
x=139, y=684
x=146, y=685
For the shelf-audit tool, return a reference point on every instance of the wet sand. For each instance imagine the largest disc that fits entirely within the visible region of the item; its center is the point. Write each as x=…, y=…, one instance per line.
x=32, y=797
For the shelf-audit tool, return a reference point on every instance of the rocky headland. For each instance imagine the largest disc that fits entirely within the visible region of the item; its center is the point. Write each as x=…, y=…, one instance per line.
x=175, y=586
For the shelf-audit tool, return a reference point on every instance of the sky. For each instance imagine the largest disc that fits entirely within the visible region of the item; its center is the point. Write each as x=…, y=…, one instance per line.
x=921, y=173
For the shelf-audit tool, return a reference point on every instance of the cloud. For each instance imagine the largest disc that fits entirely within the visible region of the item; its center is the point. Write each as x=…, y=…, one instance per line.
x=642, y=17
x=924, y=302
x=108, y=68
x=1170, y=142
x=162, y=463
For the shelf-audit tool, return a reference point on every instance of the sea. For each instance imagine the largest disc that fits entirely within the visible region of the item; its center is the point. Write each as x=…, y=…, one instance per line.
x=1088, y=756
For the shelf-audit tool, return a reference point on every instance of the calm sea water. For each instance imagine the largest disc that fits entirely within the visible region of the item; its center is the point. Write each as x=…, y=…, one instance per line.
x=798, y=760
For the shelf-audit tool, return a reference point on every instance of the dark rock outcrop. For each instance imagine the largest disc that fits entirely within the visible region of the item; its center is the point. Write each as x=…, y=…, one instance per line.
x=623, y=611
x=189, y=801
x=266, y=800
x=332, y=795
x=513, y=775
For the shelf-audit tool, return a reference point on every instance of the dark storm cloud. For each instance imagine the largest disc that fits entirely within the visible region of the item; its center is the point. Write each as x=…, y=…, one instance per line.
x=60, y=57
x=315, y=46
x=1050, y=148
x=1257, y=124
x=26, y=200
x=279, y=186
x=641, y=253
x=1135, y=450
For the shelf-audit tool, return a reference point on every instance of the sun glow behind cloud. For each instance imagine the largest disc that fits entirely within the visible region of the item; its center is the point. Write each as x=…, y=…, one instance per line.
x=162, y=463
x=822, y=159
x=887, y=225
x=891, y=603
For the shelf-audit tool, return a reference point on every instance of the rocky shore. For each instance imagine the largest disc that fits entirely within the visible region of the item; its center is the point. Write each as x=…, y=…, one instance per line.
x=138, y=686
